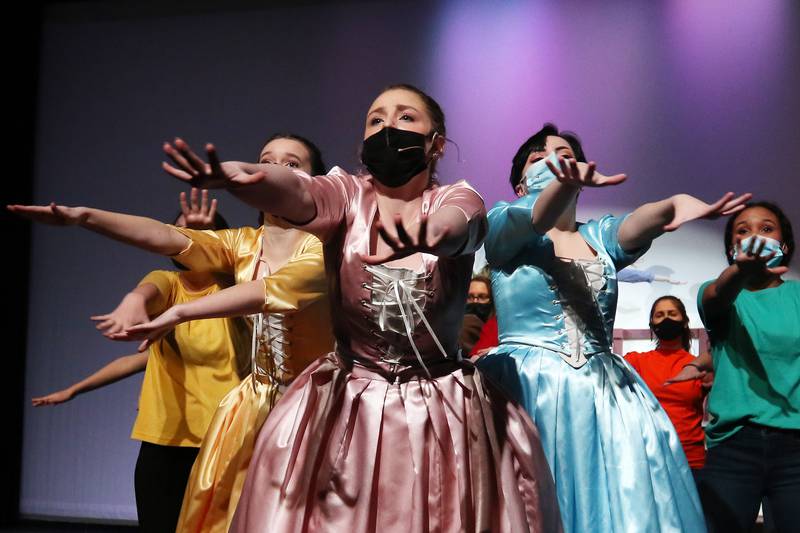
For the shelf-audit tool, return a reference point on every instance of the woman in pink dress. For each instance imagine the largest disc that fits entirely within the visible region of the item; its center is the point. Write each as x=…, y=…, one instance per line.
x=394, y=431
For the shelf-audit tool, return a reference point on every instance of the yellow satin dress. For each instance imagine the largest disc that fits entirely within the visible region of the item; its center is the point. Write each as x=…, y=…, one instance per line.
x=293, y=331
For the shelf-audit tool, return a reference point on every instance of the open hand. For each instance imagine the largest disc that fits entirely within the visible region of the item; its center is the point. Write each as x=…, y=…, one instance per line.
x=404, y=244
x=198, y=215
x=688, y=208
x=212, y=175
x=54, y=398
x=130, y=312
x=571, y=172
x=55, y=215
x=750, y=261
x=150, y=332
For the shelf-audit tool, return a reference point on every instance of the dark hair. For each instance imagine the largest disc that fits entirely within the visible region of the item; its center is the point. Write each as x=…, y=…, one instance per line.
x=783, y=222
x=432, y=107
x=317, y=164
x=686, y=334
x=219, y=221
x=536, y=143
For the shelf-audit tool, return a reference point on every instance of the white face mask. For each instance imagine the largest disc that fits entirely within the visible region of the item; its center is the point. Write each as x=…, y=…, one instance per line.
x=770, y=245
x=538, y=176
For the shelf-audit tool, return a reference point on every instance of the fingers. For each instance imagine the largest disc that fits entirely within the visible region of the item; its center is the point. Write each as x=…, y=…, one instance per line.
x=175, y=172
x=614, y=180
x=204, y=201
x=778, y=270
x=737, y=204
x=184, y=205
x=760, y=248
x=179, y=160
x=402, y=234
x=145, y=344
x=193, y=200
x=422, y=234
x=213, y=159
x=196, y=163
x=212, y=212
x=573, y=169
x=388, y=239
x=556, y=171
x=717, y=206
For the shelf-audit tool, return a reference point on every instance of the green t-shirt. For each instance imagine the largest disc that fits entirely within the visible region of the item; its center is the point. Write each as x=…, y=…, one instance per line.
x=756, y=352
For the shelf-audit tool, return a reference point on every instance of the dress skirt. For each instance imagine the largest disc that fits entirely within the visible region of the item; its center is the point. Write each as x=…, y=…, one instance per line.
x=356, y=449
x=217, y=477
x=616, y=459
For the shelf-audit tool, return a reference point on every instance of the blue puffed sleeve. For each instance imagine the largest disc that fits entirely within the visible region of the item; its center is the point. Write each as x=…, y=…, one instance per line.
x=510, y=230
x=608, y=233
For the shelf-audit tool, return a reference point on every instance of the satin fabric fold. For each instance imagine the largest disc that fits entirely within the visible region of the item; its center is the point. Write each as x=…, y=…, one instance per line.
x=617, y=462
x=462, y=458
x=217, y=478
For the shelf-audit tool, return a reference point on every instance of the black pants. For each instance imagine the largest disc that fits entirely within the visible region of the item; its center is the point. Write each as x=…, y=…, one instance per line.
x=754, y=464
x=160, y=480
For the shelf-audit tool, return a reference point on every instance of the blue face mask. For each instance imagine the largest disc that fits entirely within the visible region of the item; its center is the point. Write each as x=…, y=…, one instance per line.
x=770, y=245
x=538, y=176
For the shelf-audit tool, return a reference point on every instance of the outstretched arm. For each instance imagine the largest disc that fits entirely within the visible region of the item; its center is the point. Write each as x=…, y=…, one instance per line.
x=274, y=189
x=697, y=369
x=119, y=368
x=142, y=232
x=719, y=295
x=243, y=299
x=652, y=220
x=131, y=310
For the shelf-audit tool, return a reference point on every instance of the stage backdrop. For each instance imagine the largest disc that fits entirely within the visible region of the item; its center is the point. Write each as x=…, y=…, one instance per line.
x=683, y=96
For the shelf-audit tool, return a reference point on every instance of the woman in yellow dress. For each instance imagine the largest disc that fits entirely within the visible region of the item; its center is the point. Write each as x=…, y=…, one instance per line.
x=293, y=330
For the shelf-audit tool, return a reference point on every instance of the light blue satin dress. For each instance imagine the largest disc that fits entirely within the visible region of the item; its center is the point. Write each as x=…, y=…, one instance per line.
x=617, y=462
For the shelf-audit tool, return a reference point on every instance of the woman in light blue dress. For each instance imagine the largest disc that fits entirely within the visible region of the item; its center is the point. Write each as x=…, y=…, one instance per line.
x=617, y=462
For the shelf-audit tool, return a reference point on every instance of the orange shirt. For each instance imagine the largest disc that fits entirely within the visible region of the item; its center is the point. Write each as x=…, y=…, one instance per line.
x=683, y=402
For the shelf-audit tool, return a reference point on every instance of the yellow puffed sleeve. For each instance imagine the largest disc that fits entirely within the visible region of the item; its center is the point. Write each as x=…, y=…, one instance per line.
x=299, y=283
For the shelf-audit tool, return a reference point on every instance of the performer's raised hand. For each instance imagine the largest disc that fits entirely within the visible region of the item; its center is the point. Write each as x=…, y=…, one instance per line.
x=405, y=244
x=687, y=208
x=571, y=172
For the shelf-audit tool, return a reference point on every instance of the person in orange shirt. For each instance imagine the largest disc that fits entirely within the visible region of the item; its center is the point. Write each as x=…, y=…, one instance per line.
x=683, y=401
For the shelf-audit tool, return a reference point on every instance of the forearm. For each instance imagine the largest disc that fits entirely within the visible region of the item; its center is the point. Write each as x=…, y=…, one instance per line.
x=551, y=204
x=645, y=224
x=243, y=299
x=281, y=193
x=116, y=370
x=142, y=232
x=720, y=294
x=703, y=362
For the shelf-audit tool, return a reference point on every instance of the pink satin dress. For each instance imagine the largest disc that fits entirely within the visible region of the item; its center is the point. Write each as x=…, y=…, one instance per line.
x=393, y=431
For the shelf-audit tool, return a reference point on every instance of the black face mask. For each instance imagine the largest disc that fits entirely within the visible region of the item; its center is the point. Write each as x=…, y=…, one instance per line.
x=394, y=156
x=668, y=329
x=482, y=311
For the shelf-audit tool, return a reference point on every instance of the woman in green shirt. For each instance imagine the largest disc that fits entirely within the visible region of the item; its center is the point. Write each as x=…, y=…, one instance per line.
x=753, y=319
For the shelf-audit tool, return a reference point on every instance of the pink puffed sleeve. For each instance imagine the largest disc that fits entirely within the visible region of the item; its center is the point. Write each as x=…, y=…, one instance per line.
x=463, y=197
x=332, y=195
